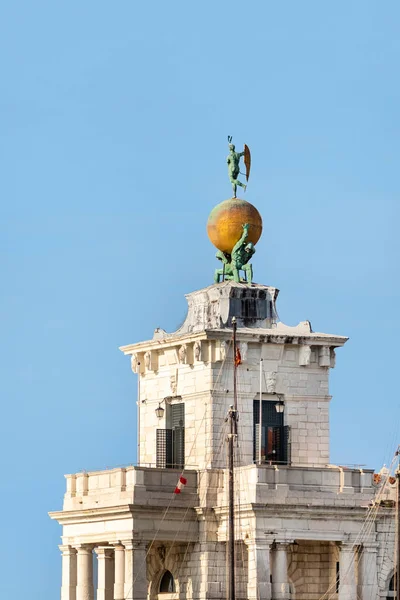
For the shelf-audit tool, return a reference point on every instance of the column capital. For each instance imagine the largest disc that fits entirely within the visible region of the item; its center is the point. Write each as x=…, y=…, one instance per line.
x=84, y=548
x=370, y=546
x=134, y=544
x=259, y=542
x=347, y=546
x=67, y=550
x=282, y=544
x=104, y=551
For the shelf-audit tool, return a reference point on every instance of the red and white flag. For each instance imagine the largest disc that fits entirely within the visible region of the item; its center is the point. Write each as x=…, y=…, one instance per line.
x=238, y=357
x=181, y=484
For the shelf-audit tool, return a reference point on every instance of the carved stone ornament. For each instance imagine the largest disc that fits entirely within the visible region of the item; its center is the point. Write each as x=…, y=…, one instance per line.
x=304, y=356
x=243, y=351
x=197, y=350
x=173, y=381
x=271, y=382
x=134, y=363
x=147, y=360
x=223, y=350
x=182, y=354
x=324, y=356
x=161, y=553
x=278, y=339
x=333, y=358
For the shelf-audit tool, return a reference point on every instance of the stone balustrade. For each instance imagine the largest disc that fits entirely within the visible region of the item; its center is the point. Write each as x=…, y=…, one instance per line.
x=131, y=485
x=260, y=484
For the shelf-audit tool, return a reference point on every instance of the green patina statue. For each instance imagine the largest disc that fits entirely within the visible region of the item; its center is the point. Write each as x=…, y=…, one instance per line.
x=233, y=160
x=238, y=260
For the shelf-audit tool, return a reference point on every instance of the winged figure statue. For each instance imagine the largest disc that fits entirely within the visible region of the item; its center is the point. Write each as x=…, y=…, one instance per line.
x=233, y=161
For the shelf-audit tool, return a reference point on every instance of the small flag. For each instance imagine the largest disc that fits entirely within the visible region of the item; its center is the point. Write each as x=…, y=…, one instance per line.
x=238, y=358
x=181, y=484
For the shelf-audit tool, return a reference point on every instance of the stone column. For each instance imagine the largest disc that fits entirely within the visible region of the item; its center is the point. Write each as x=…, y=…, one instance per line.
x=68, y=577
x=368, y=574
x=135, y=571
x=119, y=572
x=84, y=587
x=259, y=573
x=280, y=580
x=105, y=573
x=347, y=572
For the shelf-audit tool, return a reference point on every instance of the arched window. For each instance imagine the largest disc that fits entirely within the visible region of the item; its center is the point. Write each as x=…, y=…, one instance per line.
x=391, y=593
x=167, y=583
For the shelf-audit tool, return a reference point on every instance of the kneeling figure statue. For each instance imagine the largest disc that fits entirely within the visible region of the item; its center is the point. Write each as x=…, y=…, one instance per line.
x=238, y=260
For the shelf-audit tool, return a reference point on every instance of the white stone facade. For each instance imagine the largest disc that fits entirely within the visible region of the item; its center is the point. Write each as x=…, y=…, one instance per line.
x=305, y=529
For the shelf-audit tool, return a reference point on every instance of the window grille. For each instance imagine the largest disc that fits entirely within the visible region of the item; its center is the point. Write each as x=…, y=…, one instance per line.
x=170, y=442
x=164, y=448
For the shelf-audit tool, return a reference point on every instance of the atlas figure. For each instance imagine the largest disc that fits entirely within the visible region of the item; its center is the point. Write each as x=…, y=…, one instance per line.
x=238, y=260
x=233, y=160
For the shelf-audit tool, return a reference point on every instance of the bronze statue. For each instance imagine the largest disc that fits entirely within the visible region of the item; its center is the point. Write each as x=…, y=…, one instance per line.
x=233, y=160
x=238, y=260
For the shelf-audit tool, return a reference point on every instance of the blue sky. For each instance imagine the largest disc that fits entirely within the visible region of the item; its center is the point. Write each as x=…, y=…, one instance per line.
x=114, y=118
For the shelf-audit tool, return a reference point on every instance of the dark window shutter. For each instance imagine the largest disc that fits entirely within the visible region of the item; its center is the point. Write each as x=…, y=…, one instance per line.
x=164, y=448
x=286, y=448
x=276, y=441
x=178, y=415
x=179, y=447
x=271, y=444
x=256, y=442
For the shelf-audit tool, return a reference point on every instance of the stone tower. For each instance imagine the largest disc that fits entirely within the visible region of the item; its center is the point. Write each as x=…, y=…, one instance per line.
x=158, y=530
x=189, y=374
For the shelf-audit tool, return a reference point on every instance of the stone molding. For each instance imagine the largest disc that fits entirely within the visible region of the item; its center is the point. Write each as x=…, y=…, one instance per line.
x=212, y=348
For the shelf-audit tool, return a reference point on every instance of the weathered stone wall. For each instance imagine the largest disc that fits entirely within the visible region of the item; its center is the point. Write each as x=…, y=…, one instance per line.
x=312, y=569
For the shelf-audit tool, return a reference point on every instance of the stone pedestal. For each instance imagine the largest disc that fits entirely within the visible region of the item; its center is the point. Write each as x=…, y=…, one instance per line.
x=84, y=587
x=213, y=307
x=119, y=572
x=68, y=577
x=280, y=580
x=259, y=574
x=367, y=573
x=105, y=573
x=347, y=573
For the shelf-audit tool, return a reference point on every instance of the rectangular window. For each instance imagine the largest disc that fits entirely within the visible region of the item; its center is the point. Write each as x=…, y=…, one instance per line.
x=170, y=442
x=275, y=442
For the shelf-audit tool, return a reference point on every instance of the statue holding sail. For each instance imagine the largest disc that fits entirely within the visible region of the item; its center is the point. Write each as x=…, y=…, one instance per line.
x=234, y=226
x=233, y=161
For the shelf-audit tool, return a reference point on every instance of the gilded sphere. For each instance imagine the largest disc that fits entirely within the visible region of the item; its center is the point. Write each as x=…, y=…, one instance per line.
x=226, y=220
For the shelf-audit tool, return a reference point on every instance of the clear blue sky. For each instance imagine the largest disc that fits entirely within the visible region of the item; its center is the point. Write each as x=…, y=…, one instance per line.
x=114, y=117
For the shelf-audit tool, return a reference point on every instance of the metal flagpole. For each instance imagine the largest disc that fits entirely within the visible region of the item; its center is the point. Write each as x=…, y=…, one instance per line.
x=232, y=415
x=260, y=417
x=397, y=571
x=138, y=415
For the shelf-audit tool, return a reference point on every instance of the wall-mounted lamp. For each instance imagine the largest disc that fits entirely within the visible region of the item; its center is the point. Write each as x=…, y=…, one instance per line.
x=160, y=411
x=167, y=400
x=279, y=406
